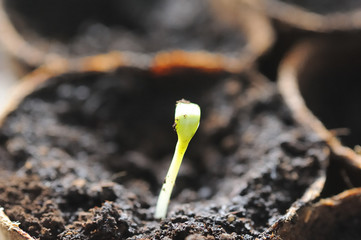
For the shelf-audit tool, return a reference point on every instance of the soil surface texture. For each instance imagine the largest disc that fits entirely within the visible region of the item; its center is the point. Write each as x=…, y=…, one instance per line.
x=84, y=157
x=91, y=27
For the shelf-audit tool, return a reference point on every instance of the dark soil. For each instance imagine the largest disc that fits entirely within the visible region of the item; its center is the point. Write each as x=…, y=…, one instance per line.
x=86, y=27
x=327, y=6
x=88, y=153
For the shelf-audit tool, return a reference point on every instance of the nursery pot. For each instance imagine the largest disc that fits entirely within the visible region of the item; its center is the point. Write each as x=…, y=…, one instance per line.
x=337, y=217
x=319, y=81
x=92, y=146
x=319, y=16
x=45, y=31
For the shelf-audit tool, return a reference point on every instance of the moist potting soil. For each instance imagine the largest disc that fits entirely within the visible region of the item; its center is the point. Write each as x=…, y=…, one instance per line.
x=88, y=152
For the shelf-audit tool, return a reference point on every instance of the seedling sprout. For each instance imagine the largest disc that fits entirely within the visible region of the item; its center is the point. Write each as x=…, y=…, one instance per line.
x=186, y=122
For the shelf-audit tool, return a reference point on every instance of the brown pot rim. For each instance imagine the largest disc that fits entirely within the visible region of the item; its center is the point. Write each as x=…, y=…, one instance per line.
x=259, y=39
x=288, y=87
x=304, y=214
x=10, y=230
x=299, y=17
x=162, y=63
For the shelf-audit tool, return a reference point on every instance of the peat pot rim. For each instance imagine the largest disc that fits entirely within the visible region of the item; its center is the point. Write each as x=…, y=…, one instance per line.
x=299, y=17
x=341, y=206
x=311, y=195
x=162, y=63
x=289, y=89
x=256, y=27
x=10, y=230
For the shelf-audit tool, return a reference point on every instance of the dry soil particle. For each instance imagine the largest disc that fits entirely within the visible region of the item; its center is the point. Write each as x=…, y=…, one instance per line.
x=105, y=222
x=88, y=27
x=102, y=142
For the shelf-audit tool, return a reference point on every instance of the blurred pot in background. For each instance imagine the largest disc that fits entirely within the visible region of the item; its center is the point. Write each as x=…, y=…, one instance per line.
x=319, y=16
x=320, y=81
x=40, y=31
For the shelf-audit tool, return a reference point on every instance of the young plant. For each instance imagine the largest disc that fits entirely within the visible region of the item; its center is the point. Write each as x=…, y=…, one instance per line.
x=186, y=122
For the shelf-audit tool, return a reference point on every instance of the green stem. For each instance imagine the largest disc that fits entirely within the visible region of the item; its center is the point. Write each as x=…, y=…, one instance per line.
x=167, y=188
